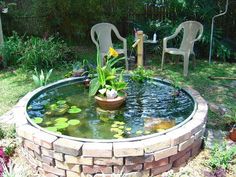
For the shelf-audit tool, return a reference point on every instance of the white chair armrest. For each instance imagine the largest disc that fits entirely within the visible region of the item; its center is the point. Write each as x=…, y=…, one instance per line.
x=199, y=36
x=166, y=39
x=92, y=34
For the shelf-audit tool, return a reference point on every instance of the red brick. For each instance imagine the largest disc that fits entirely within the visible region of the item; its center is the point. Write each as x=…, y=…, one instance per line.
x=180, y=154
x=54, y=170
x=97, y=150
x=156, y=164
x=108, y=161
x=126, y=149
x=68, y=146
x=93, y=169
x=48, y=160
x=50, y=175
x=159, y=170
x=138, y=160
x=182, y=160
x=186, y=144
x=165, y=153
x=44, y=139
x=32, y=146
x=156, y=144
x=128, y=168
x=72, y=174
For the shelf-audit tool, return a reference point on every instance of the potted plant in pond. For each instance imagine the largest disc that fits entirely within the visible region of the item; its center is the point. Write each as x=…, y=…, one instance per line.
x=108, y=87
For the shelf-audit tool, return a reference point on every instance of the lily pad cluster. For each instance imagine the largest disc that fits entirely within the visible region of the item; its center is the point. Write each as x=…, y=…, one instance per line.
x=59, y=124
x=119, y=129
x=58, y=109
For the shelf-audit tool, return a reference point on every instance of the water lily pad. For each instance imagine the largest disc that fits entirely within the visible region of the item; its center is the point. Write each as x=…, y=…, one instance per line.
x=38, y=120
x=61, y=120
x=48, y=123
x=74, y=110
x=60, y=102
x=117, y=130
x=139, y=132
x=128, y=129
x=73, y=122
x=119, y=123
x=147, y=132
x=114, y=125
x=53, y=107
x=52, y=129
x=61, y=125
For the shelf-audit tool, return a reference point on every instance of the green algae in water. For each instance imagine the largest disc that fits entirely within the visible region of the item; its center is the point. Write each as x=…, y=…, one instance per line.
x=144, y=101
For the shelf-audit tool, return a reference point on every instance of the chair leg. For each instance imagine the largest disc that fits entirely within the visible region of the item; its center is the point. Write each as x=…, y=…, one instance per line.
x=186, y=63
x=126, y=63
x=162, y=60
x=194, y=61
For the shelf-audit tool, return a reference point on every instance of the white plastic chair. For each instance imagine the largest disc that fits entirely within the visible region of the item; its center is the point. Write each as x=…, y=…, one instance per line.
x=191, y=30
x=104, y=42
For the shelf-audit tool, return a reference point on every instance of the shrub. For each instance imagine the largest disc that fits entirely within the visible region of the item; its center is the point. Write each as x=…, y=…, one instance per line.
x=34, y=52
x=221, y=157
x=11, y=50
x=42, y=53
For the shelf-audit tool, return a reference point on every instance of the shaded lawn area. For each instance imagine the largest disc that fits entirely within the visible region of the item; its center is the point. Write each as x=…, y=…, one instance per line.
x=14, y=84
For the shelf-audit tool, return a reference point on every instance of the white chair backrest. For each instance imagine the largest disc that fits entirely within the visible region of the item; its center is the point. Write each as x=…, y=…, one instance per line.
x=103, y=32
x=191, y=30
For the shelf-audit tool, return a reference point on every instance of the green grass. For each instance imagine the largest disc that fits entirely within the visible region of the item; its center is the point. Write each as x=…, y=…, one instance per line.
x=15, y=83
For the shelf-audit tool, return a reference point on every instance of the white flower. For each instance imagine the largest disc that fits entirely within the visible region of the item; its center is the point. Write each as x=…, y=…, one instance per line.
x=111, y=94
x=102, y=91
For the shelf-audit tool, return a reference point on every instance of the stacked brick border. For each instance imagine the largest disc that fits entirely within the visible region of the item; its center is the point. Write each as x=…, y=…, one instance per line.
x=55, y=156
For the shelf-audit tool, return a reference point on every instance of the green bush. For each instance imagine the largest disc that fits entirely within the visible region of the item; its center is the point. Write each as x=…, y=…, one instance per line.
x=34, y=52
x=11, y=50
x=221, y=156
x=42, y=53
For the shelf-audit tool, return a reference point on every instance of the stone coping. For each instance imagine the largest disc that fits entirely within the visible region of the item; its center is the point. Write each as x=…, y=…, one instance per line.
x=25, y=101
x=62, y=156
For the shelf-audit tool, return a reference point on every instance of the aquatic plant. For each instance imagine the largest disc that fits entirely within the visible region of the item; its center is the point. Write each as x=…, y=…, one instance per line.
x=107, y=83
x=42, y=78
x=74, y=110
x=141, y=74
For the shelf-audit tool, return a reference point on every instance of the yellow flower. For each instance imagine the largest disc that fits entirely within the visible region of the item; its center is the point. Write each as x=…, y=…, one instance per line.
x=113, y=52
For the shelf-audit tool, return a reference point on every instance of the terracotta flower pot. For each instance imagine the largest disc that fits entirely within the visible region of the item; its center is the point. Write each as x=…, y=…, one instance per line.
x=110, y=104
x=232, y=134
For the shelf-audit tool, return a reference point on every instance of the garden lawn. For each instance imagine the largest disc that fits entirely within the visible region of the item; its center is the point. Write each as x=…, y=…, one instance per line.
x=15, y=83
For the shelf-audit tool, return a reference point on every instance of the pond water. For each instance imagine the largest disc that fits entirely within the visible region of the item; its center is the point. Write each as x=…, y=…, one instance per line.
x=150, y=107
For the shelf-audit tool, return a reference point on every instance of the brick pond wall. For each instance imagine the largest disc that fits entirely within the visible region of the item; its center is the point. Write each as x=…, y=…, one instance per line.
x=55, y=156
